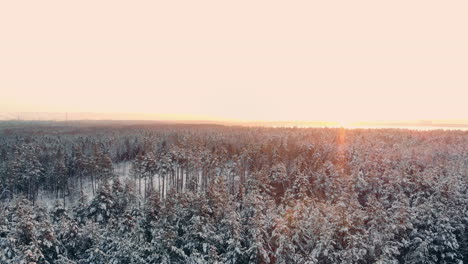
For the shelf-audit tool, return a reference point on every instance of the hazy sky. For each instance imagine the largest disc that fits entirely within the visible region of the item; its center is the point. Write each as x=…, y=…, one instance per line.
x=254, y=60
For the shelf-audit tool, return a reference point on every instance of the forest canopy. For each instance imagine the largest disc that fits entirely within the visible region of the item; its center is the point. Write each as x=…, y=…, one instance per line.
x=167, y=193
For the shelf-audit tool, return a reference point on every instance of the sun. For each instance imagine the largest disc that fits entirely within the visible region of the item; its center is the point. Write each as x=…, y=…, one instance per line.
x=344, y=123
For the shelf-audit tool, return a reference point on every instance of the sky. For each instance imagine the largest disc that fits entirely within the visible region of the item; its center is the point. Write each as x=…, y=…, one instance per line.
x=341, y=61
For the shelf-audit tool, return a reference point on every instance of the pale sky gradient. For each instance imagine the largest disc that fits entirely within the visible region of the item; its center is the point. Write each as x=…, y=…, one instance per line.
x=251, y=60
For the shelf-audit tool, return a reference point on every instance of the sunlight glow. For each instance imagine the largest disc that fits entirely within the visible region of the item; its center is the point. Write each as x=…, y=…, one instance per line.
x=343, y=63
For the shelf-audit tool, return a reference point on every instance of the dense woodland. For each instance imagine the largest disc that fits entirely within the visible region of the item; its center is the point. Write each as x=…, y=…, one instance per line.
x=225, y=194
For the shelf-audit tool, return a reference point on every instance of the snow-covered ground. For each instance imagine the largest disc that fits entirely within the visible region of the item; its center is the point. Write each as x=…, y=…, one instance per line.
x=48, y=200
x=122, y=171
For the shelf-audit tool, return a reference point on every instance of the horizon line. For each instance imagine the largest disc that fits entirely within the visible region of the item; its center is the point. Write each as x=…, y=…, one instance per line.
x=419, y=123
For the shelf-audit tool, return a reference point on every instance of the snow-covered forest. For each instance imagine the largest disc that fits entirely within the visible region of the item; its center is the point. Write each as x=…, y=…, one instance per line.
x=155, y=193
